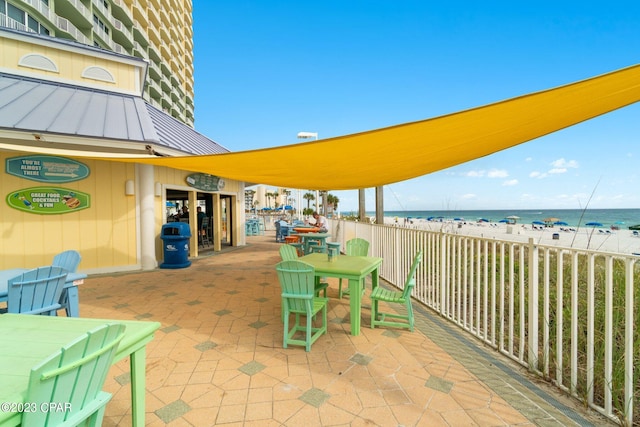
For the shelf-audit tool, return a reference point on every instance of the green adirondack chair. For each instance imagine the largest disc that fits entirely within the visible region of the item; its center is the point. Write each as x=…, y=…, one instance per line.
x=290, y=253
x=396, y=297
x=353, y=247
x=297, y=281
x=73, y=378
x=36, y=291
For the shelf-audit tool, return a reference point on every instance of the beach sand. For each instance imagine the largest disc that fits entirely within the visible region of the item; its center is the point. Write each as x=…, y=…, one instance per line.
x=621, y=241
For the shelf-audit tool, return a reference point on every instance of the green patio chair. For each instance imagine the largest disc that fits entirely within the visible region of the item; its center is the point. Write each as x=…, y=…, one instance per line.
x=297, y=281
x=290, y=253
x=72, y=378
x=397, y=297
x=353, y=247
x=36, y=291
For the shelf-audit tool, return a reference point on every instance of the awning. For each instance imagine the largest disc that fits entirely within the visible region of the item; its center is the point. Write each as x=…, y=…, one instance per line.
x=405, y=151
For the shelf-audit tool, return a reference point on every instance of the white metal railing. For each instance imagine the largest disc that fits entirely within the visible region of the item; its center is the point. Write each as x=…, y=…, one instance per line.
x=568, y=315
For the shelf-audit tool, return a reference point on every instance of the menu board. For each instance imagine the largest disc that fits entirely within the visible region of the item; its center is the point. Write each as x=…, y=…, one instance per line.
x=205, y=182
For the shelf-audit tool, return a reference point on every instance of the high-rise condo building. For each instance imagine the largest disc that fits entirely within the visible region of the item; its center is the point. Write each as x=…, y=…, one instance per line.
x=159, y=31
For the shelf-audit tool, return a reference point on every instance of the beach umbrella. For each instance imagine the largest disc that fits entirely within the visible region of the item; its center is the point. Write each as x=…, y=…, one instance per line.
x=551, y=219
x=536, y=222
x=504, y=220
x=483, y=220
x=458, y=219
x=593, y=224
x=288, y=208
x=560, y=223
x=266, y=208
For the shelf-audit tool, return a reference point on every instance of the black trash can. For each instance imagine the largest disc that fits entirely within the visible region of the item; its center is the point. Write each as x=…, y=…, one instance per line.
x=175, y=241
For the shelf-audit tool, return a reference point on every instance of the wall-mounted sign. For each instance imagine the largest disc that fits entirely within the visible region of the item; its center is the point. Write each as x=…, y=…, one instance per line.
x=205, y=182
x=47, y=168
x=48, y=200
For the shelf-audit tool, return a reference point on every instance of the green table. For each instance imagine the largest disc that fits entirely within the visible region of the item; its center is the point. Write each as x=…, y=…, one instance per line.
x=353, y=268
x=26, y=340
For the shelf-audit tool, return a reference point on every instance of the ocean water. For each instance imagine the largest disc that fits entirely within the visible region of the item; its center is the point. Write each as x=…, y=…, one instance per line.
x=621, y=218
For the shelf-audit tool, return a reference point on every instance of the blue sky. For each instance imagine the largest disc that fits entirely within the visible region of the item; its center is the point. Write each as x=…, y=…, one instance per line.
x=266, y=70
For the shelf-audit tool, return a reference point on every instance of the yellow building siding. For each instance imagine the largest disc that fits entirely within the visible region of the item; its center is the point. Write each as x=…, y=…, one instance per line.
x=70, y=66
x=104, y=234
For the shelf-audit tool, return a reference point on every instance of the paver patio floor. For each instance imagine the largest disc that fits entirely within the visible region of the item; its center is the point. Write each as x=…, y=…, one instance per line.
x=218, y=358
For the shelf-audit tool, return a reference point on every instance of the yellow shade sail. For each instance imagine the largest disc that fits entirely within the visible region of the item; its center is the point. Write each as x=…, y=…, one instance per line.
x=405, y=151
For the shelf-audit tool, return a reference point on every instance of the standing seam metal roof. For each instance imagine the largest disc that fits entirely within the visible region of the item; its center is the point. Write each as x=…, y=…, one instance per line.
x=40, y=106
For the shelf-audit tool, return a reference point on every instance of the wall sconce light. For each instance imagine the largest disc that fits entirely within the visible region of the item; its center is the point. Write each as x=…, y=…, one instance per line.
x=129, y=188
x=158, y=189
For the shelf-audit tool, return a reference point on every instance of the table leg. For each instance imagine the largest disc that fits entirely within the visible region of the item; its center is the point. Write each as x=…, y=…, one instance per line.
x=138, y=367
x=355, y=301
x=375, y=277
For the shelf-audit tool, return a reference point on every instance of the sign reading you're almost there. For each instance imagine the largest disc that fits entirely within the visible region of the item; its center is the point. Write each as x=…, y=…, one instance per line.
x=47, y=168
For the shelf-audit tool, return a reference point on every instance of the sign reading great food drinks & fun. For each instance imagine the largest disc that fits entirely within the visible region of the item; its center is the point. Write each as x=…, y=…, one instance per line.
x=48, y=200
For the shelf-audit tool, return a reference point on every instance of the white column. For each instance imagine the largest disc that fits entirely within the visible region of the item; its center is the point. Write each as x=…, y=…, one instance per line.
x=147, y=224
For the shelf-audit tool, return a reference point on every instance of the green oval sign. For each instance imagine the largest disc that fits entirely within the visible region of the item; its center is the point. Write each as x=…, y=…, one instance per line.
x=205, y=182
x=47, y=168
x=48, y=200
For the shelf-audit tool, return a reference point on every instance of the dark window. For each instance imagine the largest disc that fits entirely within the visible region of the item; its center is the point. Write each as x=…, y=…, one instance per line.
x=16, y=14
x=33, y=24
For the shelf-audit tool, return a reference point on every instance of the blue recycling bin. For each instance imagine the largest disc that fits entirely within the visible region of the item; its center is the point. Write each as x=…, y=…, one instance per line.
x=175, y=241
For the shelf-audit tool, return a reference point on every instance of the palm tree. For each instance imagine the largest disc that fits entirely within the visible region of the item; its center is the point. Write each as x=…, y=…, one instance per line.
x=308, y=197
x=332, y=202
x=268, y=196
x=323, y=195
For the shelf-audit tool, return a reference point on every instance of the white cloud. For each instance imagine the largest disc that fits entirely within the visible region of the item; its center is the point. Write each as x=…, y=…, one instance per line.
x=536, y=174
x=510, y=182
x=561, y=163
x=557, y=170
x=498, y=173
x=468, y=196
x=492, y=173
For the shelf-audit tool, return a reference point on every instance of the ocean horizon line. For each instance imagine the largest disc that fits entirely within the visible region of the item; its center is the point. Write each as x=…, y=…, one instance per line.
x=615, y=217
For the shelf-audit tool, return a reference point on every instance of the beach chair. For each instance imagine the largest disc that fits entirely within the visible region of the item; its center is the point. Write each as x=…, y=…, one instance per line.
x=297, y=280
x=73, y=376
x=395, y=297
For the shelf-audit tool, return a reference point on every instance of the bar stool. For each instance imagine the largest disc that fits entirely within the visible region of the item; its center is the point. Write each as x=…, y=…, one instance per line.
x=299, y=248
x=334, y=245
x=291, y=239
